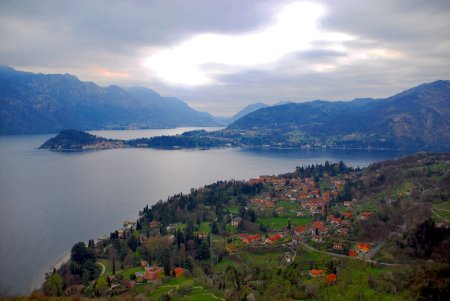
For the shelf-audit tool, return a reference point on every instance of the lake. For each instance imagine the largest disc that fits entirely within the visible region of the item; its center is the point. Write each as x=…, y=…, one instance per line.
x=51, y=200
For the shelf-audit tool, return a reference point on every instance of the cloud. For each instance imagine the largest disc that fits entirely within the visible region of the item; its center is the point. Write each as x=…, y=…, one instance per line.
x=109, y=73
x=198, y=60
x=381, y=47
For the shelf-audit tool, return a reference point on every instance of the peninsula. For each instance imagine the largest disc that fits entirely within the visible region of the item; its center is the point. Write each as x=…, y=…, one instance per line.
x=378, y=233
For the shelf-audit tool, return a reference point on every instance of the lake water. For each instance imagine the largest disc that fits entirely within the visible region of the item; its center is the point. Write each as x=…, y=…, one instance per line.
x=51, y=200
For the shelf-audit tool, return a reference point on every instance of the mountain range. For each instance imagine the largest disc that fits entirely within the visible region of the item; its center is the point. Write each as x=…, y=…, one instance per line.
x=47, y=103
x=416, y=118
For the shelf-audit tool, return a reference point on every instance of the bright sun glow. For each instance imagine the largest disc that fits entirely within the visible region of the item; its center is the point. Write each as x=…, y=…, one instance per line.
x=198, y=60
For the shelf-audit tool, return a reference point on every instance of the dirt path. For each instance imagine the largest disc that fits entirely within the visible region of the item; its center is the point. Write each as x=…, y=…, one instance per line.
x=437, y=214
x=175, y=286
x=103, y=268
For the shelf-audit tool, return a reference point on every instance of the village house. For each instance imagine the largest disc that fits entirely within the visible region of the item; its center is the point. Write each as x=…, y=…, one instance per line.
x=365, y=215
x=296, y=239
x=100, y=240
x=154, y=225
x=316, y=273
x=319, y=228
x=335, y=221
x=128, y=224
x=171, y=228
x=288, y=257
x=201, y=235
x=300, y=231
x=236, y=221
x=249, y=239
x=352, y=253
x=179, y=272
x=139, y=277
x=338, y=245
x=347, y=214
x=144, y=263
x=363, y=248
x=317, y=238
x=342, y=231
x=273, y=239
x=121, y=233
x=330, y=279
x=131, y=284
x=152, y=273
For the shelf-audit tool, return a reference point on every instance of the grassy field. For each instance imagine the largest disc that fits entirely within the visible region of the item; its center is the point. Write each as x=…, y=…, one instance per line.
x=278, y=223
x=232, y=209
x=126, y=275
x=222, y=266
x=196, y=292
x=405, y=188
x=204, y=227
x=442, y=211
x=266, y=260
x=108, y=267
x=289, y=205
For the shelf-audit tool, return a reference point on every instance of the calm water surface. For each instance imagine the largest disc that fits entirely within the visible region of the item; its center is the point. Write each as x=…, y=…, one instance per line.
x=50, y=200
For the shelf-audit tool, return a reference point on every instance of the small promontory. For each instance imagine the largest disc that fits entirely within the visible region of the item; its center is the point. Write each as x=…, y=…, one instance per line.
x=75, y=140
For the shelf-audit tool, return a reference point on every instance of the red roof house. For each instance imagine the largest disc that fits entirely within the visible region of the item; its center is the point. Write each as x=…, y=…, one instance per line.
x=330, y=279
x=316, y=273
x=179, y=272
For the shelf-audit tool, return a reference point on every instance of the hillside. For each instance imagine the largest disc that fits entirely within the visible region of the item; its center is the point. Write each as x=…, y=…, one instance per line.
x=417, y=118
x=47, y=103
x=322, y=231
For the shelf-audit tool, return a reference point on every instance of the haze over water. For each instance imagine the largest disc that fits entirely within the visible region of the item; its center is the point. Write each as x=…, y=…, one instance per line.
x=51, y=200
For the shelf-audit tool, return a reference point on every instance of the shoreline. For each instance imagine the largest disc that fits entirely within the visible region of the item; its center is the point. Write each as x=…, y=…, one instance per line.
x=39, y=279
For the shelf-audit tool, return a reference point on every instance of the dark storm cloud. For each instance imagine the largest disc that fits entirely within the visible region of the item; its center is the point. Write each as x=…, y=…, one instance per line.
x=394, y=45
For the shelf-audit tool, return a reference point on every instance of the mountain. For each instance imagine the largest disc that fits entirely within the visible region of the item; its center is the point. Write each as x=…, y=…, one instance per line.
x=173, y=108
x=45, y=103
x=416, y=118
x=247, y=110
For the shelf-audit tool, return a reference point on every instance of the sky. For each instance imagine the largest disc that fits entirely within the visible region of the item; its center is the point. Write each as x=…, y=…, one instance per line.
x=221, y=55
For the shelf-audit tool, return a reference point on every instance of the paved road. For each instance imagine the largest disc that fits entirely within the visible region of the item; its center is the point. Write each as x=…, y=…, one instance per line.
x=346, y=256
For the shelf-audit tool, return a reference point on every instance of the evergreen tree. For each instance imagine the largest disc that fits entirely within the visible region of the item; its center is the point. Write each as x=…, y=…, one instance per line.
x=203, y=252
x=214, y=228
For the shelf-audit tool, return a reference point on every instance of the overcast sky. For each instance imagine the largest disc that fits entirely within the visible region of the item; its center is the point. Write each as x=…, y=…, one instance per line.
x=220, y=55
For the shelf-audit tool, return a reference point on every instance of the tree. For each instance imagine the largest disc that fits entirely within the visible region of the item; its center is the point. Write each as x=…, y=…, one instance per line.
x=53, y=286
x=113, y=267
x=81, y=254
x=133, y=242
x=214, y=228
x=203, y=252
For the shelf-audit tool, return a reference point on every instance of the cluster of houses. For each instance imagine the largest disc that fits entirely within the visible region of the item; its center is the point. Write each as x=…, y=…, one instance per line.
x=296, y=189
x=153, y=273
x=258, y=239
x=329, y=279
x=305, y=192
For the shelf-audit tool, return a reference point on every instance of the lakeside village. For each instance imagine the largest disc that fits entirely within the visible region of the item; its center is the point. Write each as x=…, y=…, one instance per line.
x=207, y=241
